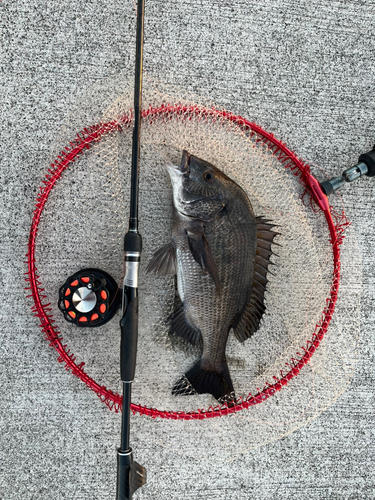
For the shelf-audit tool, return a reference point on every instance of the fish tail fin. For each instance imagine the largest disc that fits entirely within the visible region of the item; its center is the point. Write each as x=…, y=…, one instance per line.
x=218, y=383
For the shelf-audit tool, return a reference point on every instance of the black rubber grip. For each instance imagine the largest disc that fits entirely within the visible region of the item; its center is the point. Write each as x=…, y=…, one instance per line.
x=130, y=476
x=129, y=340
x=369, y=159
x=133, y=242
x=124, y=463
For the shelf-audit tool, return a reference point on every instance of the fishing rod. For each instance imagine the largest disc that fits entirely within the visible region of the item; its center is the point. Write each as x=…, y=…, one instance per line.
x=90, y=297
x=131, y=475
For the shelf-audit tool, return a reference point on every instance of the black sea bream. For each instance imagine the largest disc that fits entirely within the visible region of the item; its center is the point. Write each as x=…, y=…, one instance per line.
x=220, y=252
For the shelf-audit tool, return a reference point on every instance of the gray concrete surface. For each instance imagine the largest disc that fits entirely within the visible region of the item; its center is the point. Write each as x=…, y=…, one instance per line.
x=303, y=70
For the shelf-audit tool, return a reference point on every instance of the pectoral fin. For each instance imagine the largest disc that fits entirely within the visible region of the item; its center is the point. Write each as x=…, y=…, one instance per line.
x=164, y=261
x=202, y=254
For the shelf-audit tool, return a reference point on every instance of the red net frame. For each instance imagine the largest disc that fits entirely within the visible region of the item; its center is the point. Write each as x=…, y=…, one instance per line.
x=93, y=134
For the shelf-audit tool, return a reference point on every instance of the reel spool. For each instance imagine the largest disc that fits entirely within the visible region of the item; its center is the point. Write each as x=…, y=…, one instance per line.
x=89, y=298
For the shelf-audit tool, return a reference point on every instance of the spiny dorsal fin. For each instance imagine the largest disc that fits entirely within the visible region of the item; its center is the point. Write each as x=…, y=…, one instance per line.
x=164, y=261
x=180, y=327
x=202, y=254
x=250, y=317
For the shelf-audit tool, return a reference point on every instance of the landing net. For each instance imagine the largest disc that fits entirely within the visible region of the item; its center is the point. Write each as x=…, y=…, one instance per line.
x=304, y=354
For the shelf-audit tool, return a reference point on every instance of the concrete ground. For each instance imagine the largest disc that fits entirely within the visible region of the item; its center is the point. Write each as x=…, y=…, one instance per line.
x=303, y=70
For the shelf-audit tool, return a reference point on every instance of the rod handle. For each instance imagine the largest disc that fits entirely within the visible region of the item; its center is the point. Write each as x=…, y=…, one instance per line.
x=130, y=475
x=129, y=341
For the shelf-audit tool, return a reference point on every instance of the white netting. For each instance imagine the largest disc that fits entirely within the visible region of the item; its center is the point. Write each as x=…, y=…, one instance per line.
x=83, y=226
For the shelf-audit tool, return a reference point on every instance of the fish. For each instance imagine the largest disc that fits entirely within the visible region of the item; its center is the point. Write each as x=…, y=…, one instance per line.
x=220, y=252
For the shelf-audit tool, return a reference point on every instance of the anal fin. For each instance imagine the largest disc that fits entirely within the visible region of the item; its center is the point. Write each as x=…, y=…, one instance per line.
x=181, y=328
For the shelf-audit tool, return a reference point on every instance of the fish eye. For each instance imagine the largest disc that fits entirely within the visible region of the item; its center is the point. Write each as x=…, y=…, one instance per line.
x=209, y=176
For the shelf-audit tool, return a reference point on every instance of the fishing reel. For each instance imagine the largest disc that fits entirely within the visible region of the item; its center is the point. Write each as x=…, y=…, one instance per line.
x=89, y=298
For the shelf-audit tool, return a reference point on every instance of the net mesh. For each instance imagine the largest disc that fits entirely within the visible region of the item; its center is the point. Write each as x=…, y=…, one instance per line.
x=80, y=221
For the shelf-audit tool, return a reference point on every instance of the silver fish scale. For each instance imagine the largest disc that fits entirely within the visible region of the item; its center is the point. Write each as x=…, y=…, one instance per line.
x=232, y=240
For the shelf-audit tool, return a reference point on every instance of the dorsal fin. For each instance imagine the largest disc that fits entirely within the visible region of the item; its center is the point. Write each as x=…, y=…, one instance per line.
x=249, y=319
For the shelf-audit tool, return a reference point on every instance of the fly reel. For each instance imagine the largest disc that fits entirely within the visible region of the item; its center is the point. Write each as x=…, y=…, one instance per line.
x=90, y=297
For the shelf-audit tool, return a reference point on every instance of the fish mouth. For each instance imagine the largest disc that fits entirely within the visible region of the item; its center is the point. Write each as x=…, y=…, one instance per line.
x=174, y=170
x=183, y=168
x=186, y=198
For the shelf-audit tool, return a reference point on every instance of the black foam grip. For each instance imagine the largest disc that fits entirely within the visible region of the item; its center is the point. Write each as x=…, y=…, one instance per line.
x=130, y=476
x=129, y=340
x=133, y=242
x=124, y=464
x=369, y=159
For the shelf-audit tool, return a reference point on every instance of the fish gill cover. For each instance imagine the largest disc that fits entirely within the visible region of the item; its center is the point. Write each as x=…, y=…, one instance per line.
x=82, y=224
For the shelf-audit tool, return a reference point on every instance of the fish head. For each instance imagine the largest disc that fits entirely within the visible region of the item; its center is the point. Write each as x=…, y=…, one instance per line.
x=199, y=189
